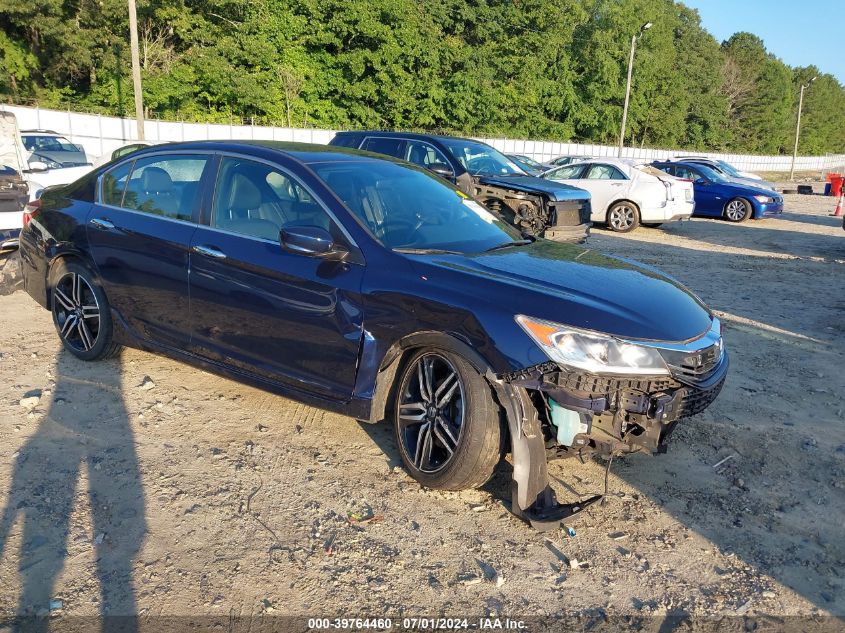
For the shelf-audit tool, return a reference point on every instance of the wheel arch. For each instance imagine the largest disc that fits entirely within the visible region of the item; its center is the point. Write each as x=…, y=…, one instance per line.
x=393, y=358
x=66, y=255
x=613, y=203
x=744, y=199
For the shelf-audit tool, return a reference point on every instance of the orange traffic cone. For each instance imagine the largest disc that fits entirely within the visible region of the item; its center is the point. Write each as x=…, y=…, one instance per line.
x=838, y=211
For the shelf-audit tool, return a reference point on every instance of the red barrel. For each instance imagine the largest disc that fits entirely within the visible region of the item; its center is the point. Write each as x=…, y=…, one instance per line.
x=836, y=181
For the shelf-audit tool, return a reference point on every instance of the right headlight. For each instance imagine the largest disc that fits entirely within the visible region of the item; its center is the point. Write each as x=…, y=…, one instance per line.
x=764, y=199
x=591, y=351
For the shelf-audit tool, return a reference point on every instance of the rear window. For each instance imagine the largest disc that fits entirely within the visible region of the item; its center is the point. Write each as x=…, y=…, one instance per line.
x=391, y=146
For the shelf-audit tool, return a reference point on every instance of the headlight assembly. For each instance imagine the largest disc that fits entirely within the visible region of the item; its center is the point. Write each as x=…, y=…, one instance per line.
x=764, y=199
x=591, y=351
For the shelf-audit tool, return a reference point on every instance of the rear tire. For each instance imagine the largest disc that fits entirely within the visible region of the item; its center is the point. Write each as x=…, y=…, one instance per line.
x=623, y=217
x=737, y=210
x=81, y=312
x=446, y=423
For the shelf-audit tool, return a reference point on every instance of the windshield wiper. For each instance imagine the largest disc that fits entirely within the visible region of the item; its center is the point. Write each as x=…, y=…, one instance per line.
x=508, y=245
x=426, y=251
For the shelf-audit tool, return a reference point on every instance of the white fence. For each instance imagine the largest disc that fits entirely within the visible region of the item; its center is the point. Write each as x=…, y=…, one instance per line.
x=103, y=134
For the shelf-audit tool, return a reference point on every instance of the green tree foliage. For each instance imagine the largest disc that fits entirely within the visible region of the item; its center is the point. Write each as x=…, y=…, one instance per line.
x=518, y=68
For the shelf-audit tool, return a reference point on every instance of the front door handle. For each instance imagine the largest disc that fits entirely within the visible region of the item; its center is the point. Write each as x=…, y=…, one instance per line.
x=209, y=251
x=102, y=223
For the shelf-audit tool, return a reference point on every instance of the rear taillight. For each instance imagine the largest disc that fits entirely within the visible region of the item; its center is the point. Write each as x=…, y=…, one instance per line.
x=30, y=211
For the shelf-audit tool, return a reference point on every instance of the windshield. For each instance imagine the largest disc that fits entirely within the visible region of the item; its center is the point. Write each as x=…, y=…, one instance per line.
x=727, y=167
x=710, y=174
x=480, y=159
x=36, y=143
x=406, y=208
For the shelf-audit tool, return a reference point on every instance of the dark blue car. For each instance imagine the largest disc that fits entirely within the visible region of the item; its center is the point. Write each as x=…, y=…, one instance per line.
x=373, y=288
x=719, y=197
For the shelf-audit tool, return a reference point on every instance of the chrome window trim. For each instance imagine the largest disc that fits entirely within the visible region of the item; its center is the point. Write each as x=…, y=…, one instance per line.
x=148, y=215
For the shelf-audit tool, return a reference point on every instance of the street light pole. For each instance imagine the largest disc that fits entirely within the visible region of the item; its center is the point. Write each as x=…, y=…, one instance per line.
x=136, y=69
x=798, y=128
x=634, y=39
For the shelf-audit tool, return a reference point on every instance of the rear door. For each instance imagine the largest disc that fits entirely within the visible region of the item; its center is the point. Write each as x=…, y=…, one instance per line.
x=606, y=184
x=256, y=308
x=139, y=232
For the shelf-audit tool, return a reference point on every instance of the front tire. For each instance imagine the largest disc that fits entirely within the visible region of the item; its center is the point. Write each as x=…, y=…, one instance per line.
x=446, y=423
x=737, y=210
x=81, y=312
x=623, y=217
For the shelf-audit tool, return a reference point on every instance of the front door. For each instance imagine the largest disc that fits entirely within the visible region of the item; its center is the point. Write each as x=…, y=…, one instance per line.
x=256, y=308
x=139, y=232
x=708, y=200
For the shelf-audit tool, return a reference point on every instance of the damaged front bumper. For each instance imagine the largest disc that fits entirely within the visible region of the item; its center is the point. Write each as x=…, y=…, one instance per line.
x=614, y=415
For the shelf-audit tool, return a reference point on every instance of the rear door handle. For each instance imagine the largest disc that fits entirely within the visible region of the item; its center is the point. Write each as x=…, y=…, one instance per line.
x=102, y=223
x=209, y=251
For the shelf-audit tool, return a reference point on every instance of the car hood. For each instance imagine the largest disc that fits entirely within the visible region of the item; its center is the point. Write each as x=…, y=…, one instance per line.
x=748, y=188
x=569, y=284
x=532, y=184
x=65, y=159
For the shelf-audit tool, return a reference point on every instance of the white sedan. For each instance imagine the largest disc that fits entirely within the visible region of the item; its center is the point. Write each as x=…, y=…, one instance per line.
x=625, y=194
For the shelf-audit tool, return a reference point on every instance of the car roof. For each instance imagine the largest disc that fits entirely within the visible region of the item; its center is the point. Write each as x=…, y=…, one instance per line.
x=44, y=132
x=306, y=153
x=422, y=136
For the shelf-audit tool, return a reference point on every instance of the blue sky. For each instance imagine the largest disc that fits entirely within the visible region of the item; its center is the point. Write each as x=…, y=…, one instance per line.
x=800, y=33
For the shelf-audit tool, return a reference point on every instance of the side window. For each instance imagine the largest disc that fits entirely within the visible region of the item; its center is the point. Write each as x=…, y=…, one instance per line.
x=391, y=146
x=114, y=184
x=685, y=172
x=604, y=172
x=256, y=200
x=165, y=185
x=424, y=155
x=570, y=172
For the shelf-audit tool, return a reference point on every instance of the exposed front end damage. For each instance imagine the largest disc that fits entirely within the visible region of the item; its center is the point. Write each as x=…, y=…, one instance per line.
x=537, y=213
x=560, y=412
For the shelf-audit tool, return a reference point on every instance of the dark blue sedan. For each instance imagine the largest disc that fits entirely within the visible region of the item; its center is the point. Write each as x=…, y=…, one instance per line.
x=372, y=287
x=719, y=197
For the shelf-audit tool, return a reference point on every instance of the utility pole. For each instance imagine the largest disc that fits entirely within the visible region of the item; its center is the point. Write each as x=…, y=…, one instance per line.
x=136, y=69
x=798, y=128
x=634, y=39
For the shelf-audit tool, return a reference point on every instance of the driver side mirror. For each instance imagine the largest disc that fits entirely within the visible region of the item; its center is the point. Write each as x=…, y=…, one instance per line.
x=312, y=241
x=442, y=169
x=702, y=181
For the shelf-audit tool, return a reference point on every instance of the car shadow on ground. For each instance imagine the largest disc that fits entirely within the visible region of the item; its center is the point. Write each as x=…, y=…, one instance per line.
x=73, y=452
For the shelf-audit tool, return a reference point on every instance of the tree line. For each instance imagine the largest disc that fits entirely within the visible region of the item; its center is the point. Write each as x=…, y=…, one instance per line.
x=514, y=68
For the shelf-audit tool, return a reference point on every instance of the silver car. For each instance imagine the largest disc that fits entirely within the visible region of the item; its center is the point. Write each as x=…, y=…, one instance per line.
x=53, y=149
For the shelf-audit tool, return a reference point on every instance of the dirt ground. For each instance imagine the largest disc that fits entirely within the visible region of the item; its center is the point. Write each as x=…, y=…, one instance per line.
x=140, y=485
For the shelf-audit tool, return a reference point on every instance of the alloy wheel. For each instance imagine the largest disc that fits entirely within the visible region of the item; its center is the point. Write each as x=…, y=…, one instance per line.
x=622, y=217
x=77, y=312
x=431, y=412
x=735, y=210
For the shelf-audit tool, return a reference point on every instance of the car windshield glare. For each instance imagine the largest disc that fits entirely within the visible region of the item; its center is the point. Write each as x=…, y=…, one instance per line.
x=406, y=208
x=710, y=174
x=727, y=167
x=480, y=159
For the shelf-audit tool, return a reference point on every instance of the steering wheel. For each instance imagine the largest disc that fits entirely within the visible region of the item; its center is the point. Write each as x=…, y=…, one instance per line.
x=402, y=230
x=484, y=164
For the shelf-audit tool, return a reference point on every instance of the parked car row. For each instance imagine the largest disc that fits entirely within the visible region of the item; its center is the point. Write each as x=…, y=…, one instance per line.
x=621, y=194
x=372, y=286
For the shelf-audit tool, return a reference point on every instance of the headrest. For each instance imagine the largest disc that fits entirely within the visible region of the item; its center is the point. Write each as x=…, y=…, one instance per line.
x=156, y=179
x=243, y=195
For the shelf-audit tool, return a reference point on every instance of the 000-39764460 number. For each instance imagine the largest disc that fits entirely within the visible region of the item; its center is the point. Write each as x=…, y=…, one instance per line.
x=351, y=624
